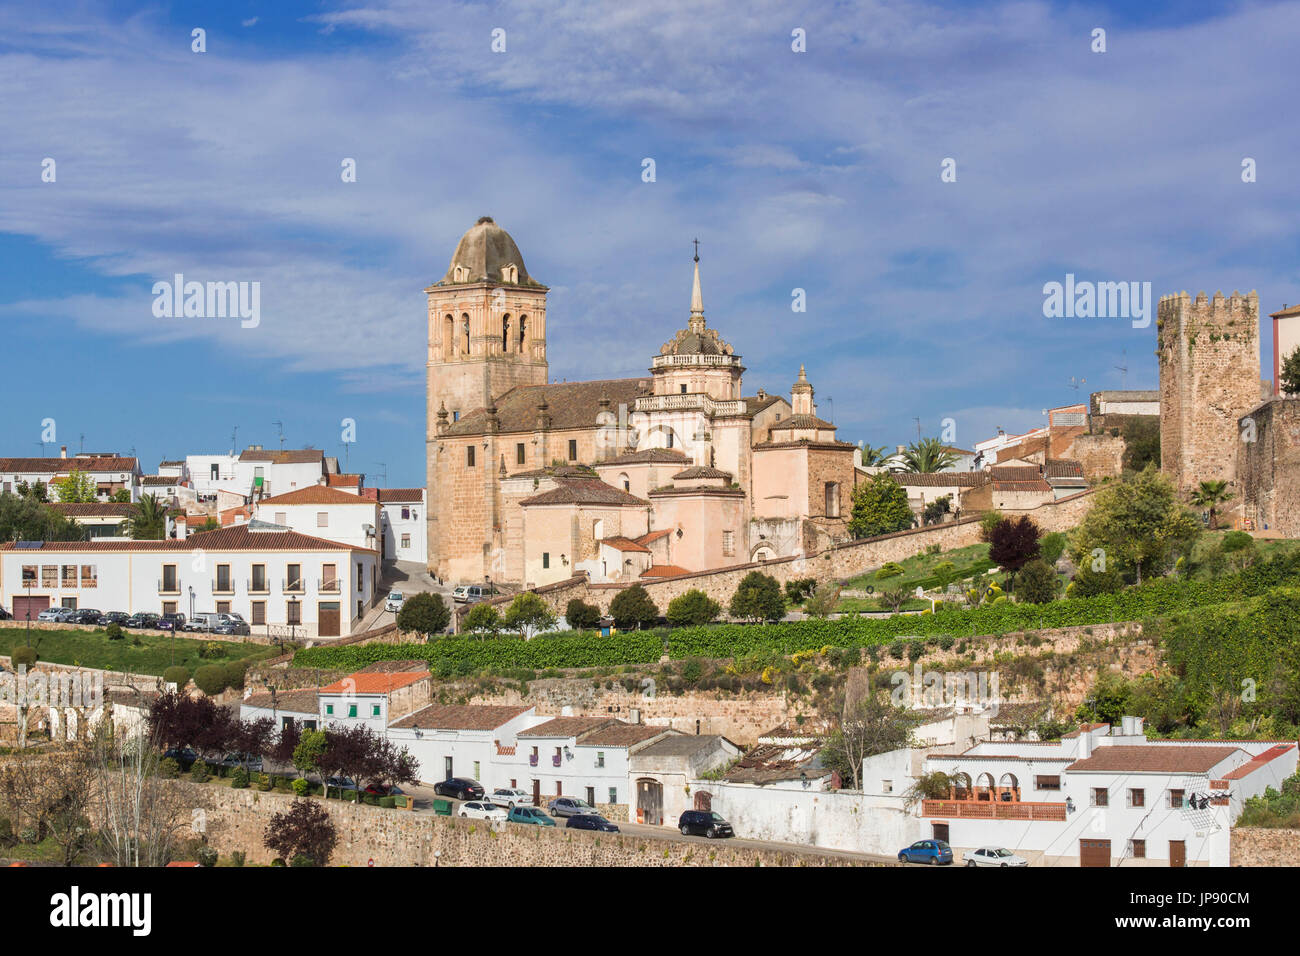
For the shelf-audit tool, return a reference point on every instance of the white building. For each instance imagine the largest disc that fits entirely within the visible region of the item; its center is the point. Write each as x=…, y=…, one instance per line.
x=583, y=757
x=108, y=473
x=103, y=520
x=272, y=577
x=283, y=707
x=326, y=512
x=377, y=695
x=403, y=524
x=470, y=740
x=256, y=472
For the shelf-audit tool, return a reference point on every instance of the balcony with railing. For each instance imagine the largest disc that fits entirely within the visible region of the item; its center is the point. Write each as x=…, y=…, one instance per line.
x=329, y=585
x=696, y=401
x=223, y=587
x=992, y=810
x=258, y=587
x=532, y=760
x=294, y=585
x=169, y=587
x=689, y=359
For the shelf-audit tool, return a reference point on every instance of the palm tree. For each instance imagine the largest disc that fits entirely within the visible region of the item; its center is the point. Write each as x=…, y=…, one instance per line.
x=1210, y=495
x=871, y=455
x=926, y=455
x=148, y=521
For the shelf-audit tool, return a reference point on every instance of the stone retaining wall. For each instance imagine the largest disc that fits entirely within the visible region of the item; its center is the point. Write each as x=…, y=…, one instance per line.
x=1264, y=846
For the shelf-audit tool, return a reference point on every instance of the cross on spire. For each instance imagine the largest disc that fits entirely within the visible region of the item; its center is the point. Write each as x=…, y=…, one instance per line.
x=697, y=249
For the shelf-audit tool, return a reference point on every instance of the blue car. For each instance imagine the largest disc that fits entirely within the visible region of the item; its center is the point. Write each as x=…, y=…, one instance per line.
x=926, y=851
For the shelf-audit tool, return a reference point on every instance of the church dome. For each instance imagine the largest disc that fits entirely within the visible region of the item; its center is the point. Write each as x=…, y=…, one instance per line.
x=486, y=253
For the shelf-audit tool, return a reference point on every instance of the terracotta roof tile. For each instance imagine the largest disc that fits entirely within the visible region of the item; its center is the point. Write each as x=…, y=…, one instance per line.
x=584, y=491
x=1146, y=759
x=371, y=683
x=316, y=495
x=403, y=495
x=304, y=701
x=653, y=536
x=625, y=544
x=702, y=471
x=664, y=456
x=288, y=456
x=237, y=538
x=942, y=479
x=461, y=717
x=63, y=466
x=92, y=509
x=664, y=571
x=569, y=405
x=566, y=727
x=619, y=734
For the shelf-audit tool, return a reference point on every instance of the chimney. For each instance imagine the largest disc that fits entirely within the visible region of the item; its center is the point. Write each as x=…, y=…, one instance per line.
x=1139, y=728
x=634, y=715
x=63, y=451
x=1085, y=745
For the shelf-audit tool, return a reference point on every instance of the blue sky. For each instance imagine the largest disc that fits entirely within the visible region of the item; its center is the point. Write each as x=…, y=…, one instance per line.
x=817, y=171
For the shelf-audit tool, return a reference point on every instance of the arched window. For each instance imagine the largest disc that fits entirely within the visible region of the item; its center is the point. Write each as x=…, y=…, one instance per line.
x=464, y=325
x=505, y=333
x=448, y=337
x=523, y=330
x=625, y=481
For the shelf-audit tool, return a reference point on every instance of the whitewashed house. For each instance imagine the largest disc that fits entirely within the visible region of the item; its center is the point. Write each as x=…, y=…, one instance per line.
x=325, y=512
x=583, y=757
x=306, y=585
x=469, y=740
x=256, y=472
x=108, y=473
x=284, y=707
x=403, y=524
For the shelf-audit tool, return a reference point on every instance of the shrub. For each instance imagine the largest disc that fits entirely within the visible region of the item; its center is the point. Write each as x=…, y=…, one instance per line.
x=388, y=803
x=263, y=782
x=234, y=672
x=890, y=569
x=692, y=671
x=1037, y=582
x=425, y=614
x=239, y=779
x=199, y=773
x=582, y=616
x=1236, y=541
x=990, y=521
x=1051, y=547
x=301, y=786
x=796, y=591
x=178, y=675
x=633, y=609
x=207, y=856
x=23, y=655
x=212, y=650
x=212, y=679
x=1089, y=583
x=693, y=607
x=237, y=857
x=169, y=769
x=758, y=598
x=113, y=632
x=302, y=859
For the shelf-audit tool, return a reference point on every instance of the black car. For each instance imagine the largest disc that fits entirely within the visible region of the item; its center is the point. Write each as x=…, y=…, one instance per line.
x=4, y=615
x=462, y=788
x=86, y=615
x=171, y=622
x=141, y=619
x=182, y=755
x=590, y=821
x=113, y=617
x=704, y=823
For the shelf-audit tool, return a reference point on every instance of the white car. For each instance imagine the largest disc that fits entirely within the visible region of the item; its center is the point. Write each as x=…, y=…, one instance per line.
x=512, y=797
x=994, y=856
x=394, y=601
x=483, y=810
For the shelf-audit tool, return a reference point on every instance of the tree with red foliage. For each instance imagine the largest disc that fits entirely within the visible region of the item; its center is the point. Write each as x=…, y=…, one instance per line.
x=1013, y=543
x=305, y=829
x=179, y=721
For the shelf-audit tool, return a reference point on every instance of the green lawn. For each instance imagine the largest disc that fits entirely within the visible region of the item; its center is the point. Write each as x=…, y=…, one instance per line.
x=918, y=569
x=153, y=655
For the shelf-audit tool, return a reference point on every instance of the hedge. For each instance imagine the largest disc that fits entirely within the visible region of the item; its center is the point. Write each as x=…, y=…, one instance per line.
x=458, y=657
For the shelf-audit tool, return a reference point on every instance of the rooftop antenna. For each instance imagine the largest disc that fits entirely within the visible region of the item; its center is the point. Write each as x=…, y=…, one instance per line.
x=234, y=439
x=81, y=443
x=830, y=415
x=42, y=444
x=280, y=425
x=1074, y=383
x=918, y=428
x=1123, y=370
x=384, y=466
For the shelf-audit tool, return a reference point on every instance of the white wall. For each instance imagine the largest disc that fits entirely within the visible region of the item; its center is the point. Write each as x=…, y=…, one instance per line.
x=414, y=526
x=344, y=523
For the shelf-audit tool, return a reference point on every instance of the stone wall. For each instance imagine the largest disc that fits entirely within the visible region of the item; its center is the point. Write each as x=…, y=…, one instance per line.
x=1268, y=466
x=236, y=820
x=1261, y=846
x=1102, y=455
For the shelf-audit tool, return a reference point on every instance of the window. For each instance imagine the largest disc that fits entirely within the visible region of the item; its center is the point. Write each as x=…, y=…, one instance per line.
x=1100, y=797
x=521, y=456
x=406, y=514
x=293, y=577
x=223, y=607
x=322, y=519
x=29, y=575
x=670, y=440
x=546, y=559
x=505, y=323
x=1137, y=798
x=406, y=541
x=1137, y=849
x=329, y=577
x=282, y=517
x=728, y=542
x=361, y=577
x=625, y=482
x=259, y=612
x=573, y=449
x=352, y=710
x=477, y=773
x=329, y=710
x=469, y=456
x=49, y=575
x=591, y=796
x=455, y=416
x=1047, y=783
x=374, y=710
x=1176, y=799
x=293, y=612
x=169, y=607
x=215, y=472
x=886, y=786
x=69, y=576
x=600, y=758
x=258, y=582
x=88, y=576
x=559, y=789
x=169, y=585
x=683, y=389
x=613, y=794
x=223, y=584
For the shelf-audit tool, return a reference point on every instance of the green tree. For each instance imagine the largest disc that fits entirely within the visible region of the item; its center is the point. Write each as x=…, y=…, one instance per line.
x=25, y=519
x=122, y=496
x=879, y=507
x=78, y=487
x=1090, y=583
x=871, y=726
x=758, y=598
x=988, y=521
x=1289, y=375
x=1037, y=582
x=482, y=619
x=148, y=521
x=633, y=609
x=935, y=510
x=1135, y=526
x=873, y=456
x=1141, y=436
x=36, y=491
x=823, y=600
x=1052, y=546
x=582, y=616
x=693, y=607
x=1209, y=495
x=528, y=614
x=309, y=752
x=927, y=455
x=425, y=614
x=893, y=599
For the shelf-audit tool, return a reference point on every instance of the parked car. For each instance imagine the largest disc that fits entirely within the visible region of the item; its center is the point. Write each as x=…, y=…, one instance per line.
x=141, y=619
x=994, y=856
x=569, y=806
x=530, y=815
x=590, y=821
x=511, y=797
x=171, y=622
x=203, y=621
x=473, y=593
x=484, y=810
x=52, y=614
x=5, y=615
x=704, y=823
x=250, y=762
x=394, y=601
x=383, y=790
x=113, y=617
x=926, y=851
x=231, y=623
x=85, y=615
x=462, y=788
x=182, y=755
x=341, y=783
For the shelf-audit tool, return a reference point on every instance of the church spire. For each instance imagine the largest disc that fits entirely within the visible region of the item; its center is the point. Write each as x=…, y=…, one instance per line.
x=697, y=298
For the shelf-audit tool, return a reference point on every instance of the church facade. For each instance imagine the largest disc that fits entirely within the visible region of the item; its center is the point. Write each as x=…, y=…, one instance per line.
x=677, y=470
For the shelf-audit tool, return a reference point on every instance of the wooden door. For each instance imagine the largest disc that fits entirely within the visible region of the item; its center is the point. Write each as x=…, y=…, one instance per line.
x=327, y=619
x=537, y=793
x=1177, y=852
x=650, y=801
x=940, y=831
x=1094, y=853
